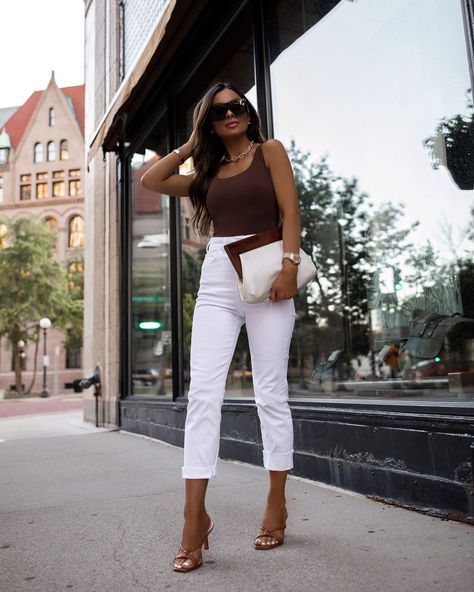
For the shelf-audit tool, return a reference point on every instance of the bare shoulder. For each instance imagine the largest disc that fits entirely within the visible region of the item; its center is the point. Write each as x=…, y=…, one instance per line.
x=274, y=152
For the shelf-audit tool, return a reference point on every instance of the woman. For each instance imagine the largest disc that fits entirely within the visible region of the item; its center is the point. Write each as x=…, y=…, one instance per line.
x=241, y=184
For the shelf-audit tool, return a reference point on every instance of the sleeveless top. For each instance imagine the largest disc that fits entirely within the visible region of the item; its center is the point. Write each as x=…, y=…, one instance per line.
x=244, y=203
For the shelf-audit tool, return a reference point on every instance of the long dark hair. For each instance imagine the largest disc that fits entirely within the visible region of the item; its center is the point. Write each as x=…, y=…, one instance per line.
x=208, y=150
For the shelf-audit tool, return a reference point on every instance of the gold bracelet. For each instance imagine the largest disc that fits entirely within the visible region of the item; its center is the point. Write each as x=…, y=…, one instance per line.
x=180, y=156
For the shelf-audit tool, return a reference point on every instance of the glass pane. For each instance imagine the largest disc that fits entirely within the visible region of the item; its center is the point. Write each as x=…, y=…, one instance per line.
x=76, y=232
x=51, y=151
x=25, y=192
x=52, y=222
x=381, y=139
x=58, y=189
x=63, y=150
x=41, y=190
x=75, y=187
x=151, y=302
x=38, y=153
x=231, y=61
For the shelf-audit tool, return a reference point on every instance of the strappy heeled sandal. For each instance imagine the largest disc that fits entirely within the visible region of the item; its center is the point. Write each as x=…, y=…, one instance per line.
x=276, y=541
x=190, y=562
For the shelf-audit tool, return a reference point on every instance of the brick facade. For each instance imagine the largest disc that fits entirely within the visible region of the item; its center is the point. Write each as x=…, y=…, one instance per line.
x=55, y=118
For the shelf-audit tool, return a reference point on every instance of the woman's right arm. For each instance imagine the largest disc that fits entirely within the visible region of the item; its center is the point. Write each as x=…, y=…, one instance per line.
x=161, y=177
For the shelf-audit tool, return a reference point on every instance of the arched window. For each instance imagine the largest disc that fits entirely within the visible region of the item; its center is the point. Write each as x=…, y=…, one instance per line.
x=63, y=151
x=76, y=232
x=51, y=151
x=51, y=116
x=38, y=152
x=53, y=223
x=3, y=236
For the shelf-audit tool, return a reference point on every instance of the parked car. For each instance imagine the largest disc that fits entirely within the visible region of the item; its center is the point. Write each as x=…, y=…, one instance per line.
x=146, y=376
x=238, y=373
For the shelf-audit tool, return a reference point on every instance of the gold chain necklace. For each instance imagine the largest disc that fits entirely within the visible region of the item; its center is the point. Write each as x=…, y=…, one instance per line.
x=241, y=155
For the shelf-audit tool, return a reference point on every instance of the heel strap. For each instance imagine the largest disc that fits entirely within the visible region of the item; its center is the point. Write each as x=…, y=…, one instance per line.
x=182, y=550
x=269, y=533
x=183, y=553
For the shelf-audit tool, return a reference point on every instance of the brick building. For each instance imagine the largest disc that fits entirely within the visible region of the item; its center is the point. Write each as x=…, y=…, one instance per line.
x=42, y=173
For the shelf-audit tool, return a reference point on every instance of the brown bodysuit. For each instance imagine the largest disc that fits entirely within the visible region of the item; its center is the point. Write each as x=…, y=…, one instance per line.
x=244, y=203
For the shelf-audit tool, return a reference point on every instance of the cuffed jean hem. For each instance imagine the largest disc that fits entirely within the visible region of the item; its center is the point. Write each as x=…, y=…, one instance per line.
x=277, y=461
x=198, y=472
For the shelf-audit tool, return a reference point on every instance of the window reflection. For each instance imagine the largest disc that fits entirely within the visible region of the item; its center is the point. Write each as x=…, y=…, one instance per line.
x=75, y=187
x=53, y=223
x=38, y=152
x=41, y=190
x=151, y=301
x=76, y=232
x=51, y=151
x=3, y=235
x=25, y=191
x=63, y=150
x=59, y=189
x=381, y=140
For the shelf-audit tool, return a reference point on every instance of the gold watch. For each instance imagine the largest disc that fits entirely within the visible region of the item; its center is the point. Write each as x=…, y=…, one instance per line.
x=293, y=257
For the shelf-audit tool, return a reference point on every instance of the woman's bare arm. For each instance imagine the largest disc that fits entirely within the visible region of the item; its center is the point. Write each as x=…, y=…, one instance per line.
x=162, y=178
x=285, y=191
x=285, y=285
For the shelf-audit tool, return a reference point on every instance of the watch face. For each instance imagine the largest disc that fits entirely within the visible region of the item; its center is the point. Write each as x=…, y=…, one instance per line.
x=296, y=258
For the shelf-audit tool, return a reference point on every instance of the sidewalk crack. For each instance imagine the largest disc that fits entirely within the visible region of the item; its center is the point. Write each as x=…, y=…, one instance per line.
x=117, y=560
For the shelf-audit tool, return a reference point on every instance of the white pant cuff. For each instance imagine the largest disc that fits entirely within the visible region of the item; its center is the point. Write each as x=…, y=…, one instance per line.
x=198, y=472
x=278, y=461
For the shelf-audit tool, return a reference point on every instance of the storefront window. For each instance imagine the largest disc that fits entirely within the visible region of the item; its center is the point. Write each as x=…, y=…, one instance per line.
x=231, y=60
x=151, y=301
x=379, y=127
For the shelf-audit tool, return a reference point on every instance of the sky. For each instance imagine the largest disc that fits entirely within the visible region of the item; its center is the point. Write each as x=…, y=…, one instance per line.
x=39, y=36
x=378, y=76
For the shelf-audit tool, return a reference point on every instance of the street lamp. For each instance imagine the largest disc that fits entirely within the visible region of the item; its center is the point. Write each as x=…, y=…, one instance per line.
x=19, y=362
x=45, y=324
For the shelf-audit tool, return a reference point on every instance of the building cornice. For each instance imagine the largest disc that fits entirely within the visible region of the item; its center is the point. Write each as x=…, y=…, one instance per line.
x=41, y=203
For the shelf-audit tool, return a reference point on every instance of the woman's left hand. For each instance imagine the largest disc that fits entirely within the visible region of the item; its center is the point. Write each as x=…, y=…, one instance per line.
x=284, y=286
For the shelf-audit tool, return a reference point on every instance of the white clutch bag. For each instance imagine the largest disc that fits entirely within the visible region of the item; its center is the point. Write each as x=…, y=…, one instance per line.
x=257, y=260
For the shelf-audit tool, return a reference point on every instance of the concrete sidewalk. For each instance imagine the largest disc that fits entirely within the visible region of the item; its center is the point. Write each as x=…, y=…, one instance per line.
x=101, y=511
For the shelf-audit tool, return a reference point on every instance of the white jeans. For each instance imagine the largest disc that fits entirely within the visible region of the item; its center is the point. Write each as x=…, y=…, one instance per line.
x=218, y=317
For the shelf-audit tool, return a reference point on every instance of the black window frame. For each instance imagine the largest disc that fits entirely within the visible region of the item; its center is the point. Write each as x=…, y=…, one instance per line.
x=168, y=87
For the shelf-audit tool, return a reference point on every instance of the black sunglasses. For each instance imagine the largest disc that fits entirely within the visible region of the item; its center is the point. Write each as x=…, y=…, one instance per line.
x=218, y=111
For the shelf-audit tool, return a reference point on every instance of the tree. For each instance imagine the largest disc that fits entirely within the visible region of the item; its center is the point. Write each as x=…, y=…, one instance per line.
x=452, y=145
x=334, y=231
x=33, y=285
x=350, y=241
